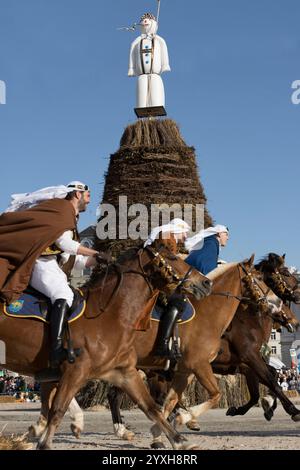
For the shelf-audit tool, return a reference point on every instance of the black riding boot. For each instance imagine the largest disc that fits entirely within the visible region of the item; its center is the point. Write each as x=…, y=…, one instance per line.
x=172, y=313
x=57, y=322
x=57, y=353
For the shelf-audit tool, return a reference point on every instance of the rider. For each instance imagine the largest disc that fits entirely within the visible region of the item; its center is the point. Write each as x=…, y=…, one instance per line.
x=204, y=248
x=35, y=229
x=176, y=231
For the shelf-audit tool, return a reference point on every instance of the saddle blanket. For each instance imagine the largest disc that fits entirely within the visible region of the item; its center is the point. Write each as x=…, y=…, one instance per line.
x=38, y=306
x=188, y=313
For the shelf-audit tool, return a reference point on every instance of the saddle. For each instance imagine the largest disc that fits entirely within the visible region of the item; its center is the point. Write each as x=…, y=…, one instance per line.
x=33, y=304
x=187, y=315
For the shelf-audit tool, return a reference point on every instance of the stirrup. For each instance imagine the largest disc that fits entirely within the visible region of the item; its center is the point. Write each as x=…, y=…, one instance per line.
x=72, y=354
x=58, y=357
x=164, y=351
x=69, y=354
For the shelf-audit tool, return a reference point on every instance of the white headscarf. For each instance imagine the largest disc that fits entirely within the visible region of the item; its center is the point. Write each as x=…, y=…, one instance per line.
x=27, y=200
x=196, y=242
x=175, y=226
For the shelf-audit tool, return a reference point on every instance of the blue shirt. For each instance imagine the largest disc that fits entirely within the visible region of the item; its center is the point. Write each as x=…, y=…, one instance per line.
x=205, y=259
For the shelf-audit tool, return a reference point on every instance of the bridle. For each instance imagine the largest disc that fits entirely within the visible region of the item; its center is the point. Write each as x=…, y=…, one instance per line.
x=253, y=286
x=161, y=262
x=260, y=295
x=158, y=260
x=281, y=288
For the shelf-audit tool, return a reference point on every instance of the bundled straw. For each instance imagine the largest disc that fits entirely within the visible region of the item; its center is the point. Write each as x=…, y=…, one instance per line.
x=14, y=442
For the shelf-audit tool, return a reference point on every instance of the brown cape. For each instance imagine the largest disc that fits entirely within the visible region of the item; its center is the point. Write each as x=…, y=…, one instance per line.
x=24, y=236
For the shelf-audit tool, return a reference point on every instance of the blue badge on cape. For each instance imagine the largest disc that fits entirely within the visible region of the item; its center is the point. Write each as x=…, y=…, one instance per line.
x=15, y=306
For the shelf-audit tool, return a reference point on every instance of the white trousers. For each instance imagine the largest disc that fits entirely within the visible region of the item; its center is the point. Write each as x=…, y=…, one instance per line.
x=150, y=91
x=50, y=280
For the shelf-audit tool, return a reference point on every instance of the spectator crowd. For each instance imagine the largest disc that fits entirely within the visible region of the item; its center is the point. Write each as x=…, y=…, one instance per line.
x=289, y=379
x=19, y=387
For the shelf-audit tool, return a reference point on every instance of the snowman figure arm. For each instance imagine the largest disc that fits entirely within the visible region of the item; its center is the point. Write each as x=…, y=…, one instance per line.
x=132, y=69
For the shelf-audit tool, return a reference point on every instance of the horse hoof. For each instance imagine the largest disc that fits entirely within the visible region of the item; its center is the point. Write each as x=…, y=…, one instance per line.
x=269, y=414
x=157, y=445
x=193, y=425
x=232, y=411
x=296, y=418
x=76, y=431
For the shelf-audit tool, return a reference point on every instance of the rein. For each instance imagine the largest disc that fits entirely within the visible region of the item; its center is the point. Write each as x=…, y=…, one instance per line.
x=245, y=299
x=281, y=286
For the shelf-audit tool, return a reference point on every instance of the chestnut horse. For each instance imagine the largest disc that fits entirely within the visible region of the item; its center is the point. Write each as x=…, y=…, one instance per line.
x=117, y=301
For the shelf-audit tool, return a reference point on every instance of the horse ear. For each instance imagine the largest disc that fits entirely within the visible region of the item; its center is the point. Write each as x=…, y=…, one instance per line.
x=169, y=242
x=283, y=256
x=250, y=261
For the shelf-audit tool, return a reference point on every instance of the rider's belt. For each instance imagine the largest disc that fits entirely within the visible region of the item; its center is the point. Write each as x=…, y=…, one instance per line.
x=51, y=250
x=54, y=250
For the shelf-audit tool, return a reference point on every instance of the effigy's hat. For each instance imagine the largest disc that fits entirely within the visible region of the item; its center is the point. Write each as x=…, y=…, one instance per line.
x=149, y=16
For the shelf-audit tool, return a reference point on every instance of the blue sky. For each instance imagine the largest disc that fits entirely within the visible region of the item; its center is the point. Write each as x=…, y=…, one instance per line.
x=233, y=63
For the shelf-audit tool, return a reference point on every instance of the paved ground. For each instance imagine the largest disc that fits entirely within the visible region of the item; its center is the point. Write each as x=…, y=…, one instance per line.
x=217, y=430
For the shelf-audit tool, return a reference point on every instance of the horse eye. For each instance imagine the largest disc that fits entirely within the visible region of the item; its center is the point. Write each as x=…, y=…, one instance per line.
x=285, y=272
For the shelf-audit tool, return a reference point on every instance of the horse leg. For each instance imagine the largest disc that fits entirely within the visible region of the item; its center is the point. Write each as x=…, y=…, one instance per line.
x=76, y=415
x=253, y=387
x=205, y=376
x=115, y=397
x=131, y=383
x=179, y=384
x=266, y=377
x=47, y=393
x=269, y=405
x=70, y=383
x=269, y=402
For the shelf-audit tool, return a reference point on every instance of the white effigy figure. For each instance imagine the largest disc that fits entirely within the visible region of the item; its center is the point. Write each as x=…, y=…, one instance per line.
x=148, y=60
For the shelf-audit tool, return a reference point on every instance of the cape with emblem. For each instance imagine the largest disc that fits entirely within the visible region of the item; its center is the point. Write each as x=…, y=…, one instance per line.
x=24, y=236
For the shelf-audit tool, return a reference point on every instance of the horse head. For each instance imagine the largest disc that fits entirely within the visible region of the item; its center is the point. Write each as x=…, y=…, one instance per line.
x=279, y=278
x=169, y=272
x=285, y=317
x=258, y=293
x=268, y=303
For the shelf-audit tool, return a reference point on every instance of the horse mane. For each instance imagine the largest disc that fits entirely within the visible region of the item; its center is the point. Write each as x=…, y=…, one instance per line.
x=213, y=275
x=124, y=257
x=100, y=270
x=270, y=262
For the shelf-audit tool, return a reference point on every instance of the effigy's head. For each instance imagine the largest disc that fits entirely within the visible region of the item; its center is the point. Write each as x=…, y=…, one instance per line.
x=148, y=24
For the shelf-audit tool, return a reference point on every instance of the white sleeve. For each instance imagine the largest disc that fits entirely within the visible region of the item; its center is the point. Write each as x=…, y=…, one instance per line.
x=80, y=262
x=66, y=244
x=79, y=265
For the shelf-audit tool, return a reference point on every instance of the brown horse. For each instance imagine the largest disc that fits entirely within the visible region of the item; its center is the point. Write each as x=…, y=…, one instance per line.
x=116, y=304
x=277, y=276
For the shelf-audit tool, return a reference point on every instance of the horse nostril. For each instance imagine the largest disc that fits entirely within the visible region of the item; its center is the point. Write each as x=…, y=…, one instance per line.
x=207, y=283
